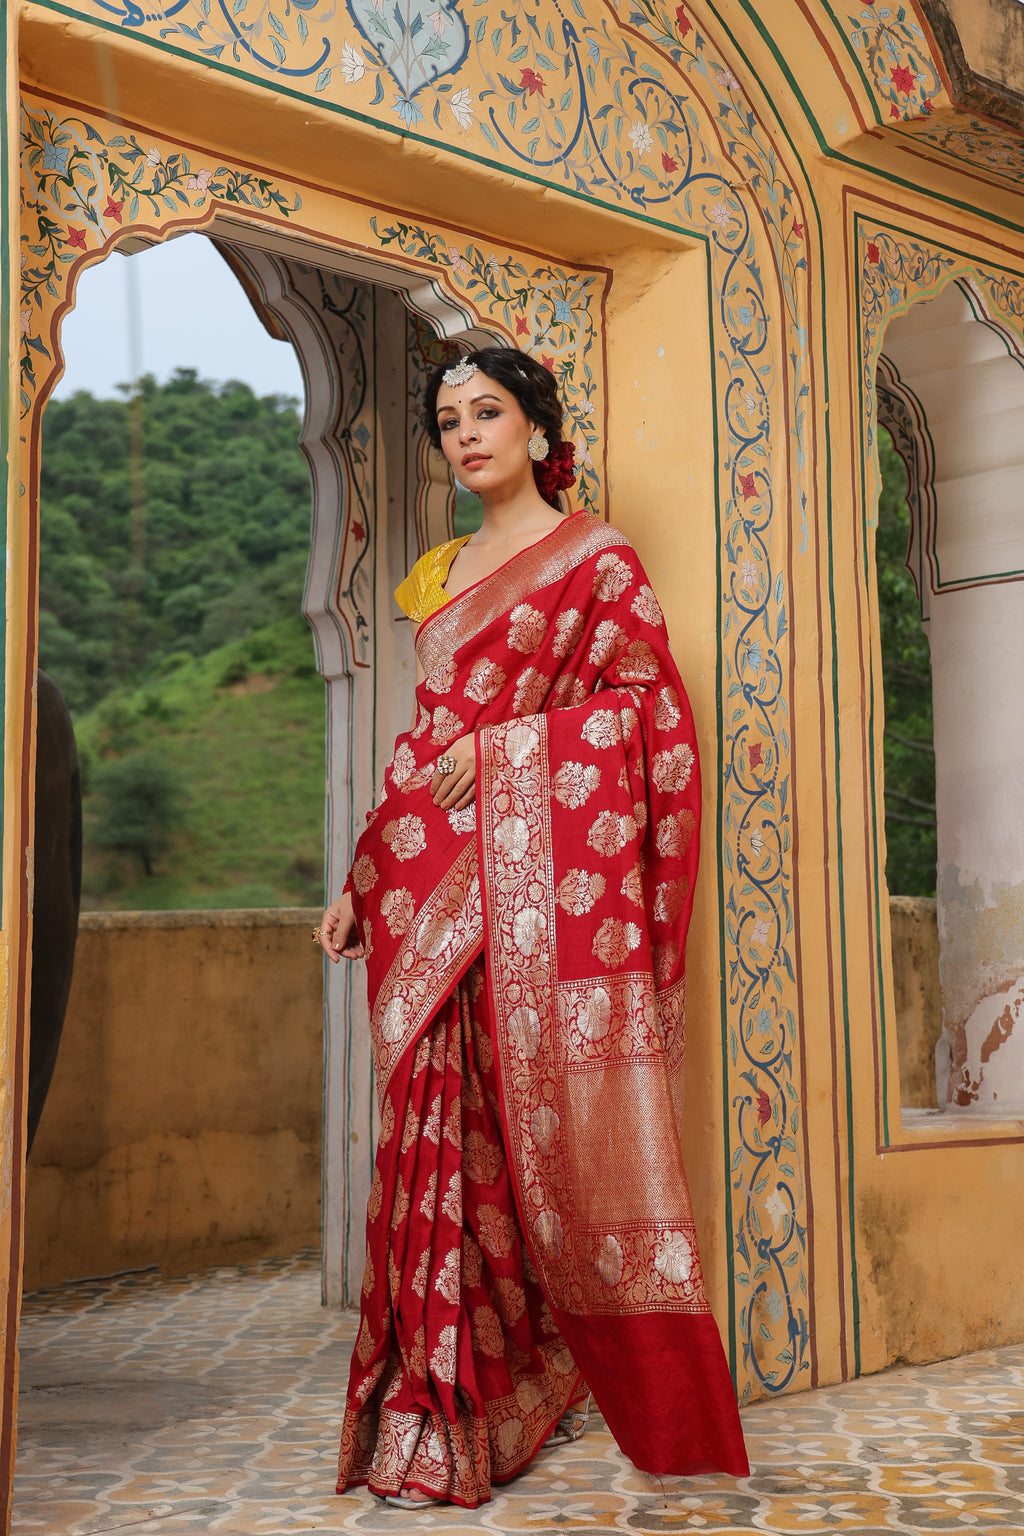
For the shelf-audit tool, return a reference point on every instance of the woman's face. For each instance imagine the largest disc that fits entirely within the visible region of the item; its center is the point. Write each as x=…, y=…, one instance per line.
x=484, y=434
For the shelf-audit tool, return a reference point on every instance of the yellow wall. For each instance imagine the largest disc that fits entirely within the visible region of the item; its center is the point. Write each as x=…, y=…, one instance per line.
x=184, y=1123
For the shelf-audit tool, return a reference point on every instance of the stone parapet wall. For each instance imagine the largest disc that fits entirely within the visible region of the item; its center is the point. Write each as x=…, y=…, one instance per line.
x=184, y=1124
x=185, y=1118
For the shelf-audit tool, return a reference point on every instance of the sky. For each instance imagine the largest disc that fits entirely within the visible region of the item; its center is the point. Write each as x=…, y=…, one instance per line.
x=191, y=313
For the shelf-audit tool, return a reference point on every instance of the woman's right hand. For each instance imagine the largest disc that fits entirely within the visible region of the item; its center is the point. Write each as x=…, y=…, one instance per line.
x=338, y=935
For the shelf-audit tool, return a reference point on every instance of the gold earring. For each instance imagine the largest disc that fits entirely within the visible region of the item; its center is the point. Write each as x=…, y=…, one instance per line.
x=538, y=446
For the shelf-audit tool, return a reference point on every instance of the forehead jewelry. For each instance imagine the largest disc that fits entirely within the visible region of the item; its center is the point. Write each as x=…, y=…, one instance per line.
x=461, y=373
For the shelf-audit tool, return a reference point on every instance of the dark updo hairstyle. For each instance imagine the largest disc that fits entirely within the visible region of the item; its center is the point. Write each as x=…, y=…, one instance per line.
x=534, y=387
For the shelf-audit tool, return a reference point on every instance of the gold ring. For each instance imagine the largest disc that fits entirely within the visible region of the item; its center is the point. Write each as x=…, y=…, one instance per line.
x=446, y=764
x=317, y=934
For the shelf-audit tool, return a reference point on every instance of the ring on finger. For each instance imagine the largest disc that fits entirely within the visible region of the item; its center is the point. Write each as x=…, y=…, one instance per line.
x=317, y=934
x=446, y=764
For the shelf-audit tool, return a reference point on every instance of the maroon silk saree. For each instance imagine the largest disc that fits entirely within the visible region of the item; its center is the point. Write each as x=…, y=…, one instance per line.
x=529, y=1225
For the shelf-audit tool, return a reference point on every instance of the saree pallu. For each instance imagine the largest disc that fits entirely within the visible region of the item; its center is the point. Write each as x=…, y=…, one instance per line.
x=572, y=874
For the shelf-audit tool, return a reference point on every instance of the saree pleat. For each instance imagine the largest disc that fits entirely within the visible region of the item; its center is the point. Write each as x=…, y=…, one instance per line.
x=459, y=1370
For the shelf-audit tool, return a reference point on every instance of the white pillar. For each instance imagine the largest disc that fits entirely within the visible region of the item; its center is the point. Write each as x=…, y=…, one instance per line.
x=969, y=379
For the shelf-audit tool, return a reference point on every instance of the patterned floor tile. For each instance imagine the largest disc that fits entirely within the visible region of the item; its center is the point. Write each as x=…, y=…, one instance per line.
x=210, y=1406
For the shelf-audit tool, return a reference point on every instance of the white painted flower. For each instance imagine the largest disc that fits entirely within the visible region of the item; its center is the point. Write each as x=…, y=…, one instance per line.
x=720, y=213
x=641, y=137
x=199, y=182
x=750, y=401
x=727, y=81
x=609, y=1260
x=154, y=157
x=748, y=571
x=673, y=1258
x=756, y=844
x=26, y=322
x=462, y=110
x=759, y=933
x=440, y=20
x=776, y=1207
x=586, y=407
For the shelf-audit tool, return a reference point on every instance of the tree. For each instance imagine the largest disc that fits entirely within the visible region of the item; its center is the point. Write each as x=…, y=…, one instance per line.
x=910, y=826
x=140, y=803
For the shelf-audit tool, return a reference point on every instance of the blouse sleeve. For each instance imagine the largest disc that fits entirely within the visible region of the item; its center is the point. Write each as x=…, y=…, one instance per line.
x=413, y=594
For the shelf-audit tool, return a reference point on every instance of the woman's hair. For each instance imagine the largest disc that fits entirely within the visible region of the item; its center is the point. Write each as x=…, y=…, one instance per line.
x=535, y=389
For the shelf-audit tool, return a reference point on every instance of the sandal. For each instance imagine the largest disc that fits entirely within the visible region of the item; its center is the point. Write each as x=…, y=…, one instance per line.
x=570, y=1426
x=396, y=1501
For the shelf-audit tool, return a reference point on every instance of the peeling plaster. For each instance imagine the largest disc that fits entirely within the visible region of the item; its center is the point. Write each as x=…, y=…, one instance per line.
x=979, y=1059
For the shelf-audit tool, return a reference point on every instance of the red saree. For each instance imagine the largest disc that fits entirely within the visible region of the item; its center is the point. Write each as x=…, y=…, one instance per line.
x=525, y=961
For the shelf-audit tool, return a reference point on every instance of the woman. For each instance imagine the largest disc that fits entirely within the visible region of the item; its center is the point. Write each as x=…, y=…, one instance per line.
x=521, y=895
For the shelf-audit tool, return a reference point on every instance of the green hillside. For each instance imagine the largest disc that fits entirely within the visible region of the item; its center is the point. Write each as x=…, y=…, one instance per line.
x=174, y=537
x=233, y=742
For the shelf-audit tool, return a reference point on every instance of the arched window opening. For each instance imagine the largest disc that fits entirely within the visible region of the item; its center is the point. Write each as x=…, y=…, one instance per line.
x=951, y=390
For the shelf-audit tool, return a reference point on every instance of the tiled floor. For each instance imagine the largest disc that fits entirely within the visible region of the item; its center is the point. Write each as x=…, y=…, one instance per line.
x=212, y=1405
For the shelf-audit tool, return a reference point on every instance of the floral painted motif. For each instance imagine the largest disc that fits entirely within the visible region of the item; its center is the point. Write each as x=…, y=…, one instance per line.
x=548, y=311
x=896, y=59
x=84, y=187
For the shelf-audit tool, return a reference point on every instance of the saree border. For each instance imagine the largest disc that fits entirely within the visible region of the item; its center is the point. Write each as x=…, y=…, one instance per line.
x=596, y=1267
x=416, y=985
x=466, y=616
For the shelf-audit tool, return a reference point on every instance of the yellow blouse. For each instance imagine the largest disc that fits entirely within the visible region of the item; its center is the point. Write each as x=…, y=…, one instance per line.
x=422, y=592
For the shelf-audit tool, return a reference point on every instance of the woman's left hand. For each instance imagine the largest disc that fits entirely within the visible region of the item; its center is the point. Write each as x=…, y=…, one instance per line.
x=451, y=791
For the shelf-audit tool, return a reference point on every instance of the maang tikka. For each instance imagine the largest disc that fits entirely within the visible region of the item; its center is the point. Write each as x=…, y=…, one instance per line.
x=461, y=373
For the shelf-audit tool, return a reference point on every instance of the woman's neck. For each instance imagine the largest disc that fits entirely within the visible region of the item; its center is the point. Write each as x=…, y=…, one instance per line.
x=516, y=518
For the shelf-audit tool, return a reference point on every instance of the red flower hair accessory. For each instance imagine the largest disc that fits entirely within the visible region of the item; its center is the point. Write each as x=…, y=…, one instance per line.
x=557, y=472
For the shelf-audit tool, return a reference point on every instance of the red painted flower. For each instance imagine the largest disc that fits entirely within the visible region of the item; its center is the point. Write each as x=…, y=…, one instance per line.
x=358, y=532
x=903, y=78
x=532, y=82
x=754, y=756
x=76, y=237
x=926, y=106
x=549, y=362
x=764, y=1108
x=748, y=487
x=683, y=20
x=668, y=164
x=113, y=208
x=874, y=254
x=798, y=230
x=522, y=327
x=894, y=110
